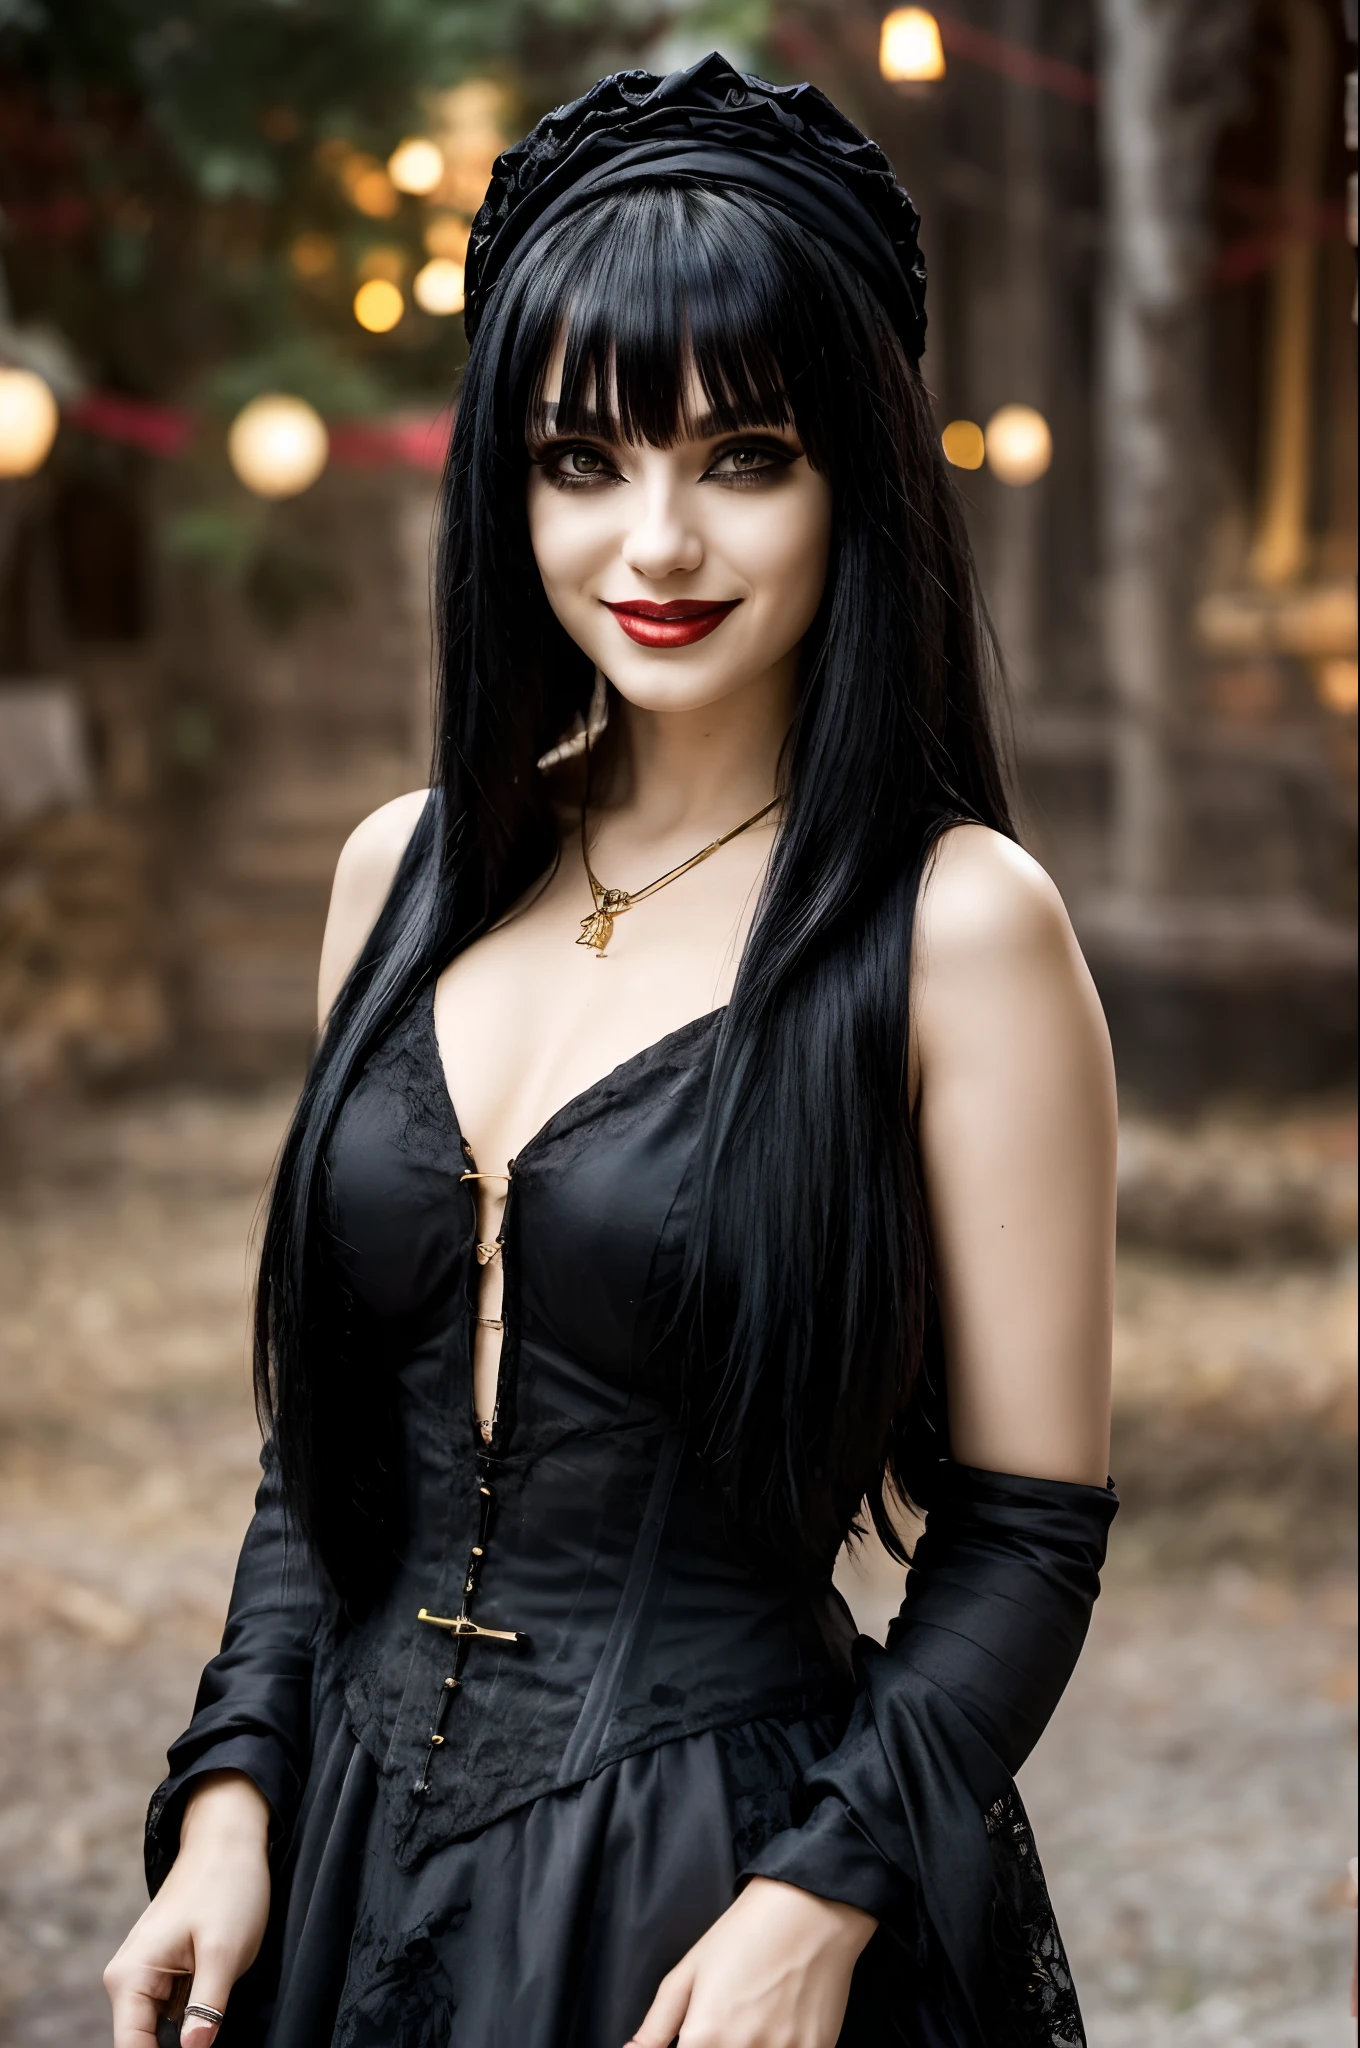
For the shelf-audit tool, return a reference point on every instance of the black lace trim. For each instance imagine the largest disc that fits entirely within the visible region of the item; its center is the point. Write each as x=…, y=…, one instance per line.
x=398, y=1989
x=1040, y=1995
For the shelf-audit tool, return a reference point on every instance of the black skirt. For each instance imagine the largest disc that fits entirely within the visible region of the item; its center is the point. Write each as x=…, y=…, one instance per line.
x=552, y=1928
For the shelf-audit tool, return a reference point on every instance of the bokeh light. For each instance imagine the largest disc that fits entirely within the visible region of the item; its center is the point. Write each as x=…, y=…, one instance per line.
x=368, y=185
x=378, y=305
x=1338, y=683
x=1019, y=444
x=416, y=165
x=438, y=288
x=278, y=445
x=383, y=260
x=28, y=422
x=473, y=123
x=909, y=48
x=964, y=444
x=312, y=256
x=446, y=234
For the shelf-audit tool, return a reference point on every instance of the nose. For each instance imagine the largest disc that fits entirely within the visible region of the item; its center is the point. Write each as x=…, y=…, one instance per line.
x=661, y=538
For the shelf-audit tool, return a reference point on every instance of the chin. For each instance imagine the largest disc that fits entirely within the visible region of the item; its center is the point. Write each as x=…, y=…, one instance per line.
x=668, y=685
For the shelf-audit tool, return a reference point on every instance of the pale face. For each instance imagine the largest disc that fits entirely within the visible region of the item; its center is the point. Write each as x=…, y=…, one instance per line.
x=687, y=573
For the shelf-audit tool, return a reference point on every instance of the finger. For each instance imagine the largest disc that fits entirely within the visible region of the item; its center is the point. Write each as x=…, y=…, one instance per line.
x=139, y=1995
x=666, y=2014
x=211, y=1988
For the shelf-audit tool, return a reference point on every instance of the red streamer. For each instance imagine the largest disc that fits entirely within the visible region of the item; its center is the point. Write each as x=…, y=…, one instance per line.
x=167, y=430
x=1013, y=60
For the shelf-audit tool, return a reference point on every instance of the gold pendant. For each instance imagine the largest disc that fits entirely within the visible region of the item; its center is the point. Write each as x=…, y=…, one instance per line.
x=598, y=929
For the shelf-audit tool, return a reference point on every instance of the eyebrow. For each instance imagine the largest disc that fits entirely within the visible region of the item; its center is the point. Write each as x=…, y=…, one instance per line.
x=704, y=428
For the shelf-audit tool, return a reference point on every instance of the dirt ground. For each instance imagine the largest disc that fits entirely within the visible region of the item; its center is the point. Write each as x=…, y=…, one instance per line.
x=1194, y=1799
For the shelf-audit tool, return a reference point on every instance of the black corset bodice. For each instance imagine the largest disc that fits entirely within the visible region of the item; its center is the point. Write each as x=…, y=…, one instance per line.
x=584, y=1600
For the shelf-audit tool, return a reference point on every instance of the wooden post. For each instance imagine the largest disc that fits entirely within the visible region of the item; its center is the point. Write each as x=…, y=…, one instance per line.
x=1024, y=354
x=1166, y=80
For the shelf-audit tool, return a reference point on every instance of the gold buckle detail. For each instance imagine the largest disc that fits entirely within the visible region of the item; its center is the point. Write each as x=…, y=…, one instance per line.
x=463, y=1626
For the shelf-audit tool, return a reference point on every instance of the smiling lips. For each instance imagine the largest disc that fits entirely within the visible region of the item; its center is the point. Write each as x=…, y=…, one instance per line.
x=677, y=624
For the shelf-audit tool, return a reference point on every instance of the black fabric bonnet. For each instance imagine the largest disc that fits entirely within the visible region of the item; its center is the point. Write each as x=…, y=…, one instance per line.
x=716, y=127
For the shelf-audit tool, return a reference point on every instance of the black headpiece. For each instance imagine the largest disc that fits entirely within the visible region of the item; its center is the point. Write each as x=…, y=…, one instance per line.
x=717, y=127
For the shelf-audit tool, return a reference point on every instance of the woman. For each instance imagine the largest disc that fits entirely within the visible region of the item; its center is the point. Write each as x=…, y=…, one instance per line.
x=713, y=1131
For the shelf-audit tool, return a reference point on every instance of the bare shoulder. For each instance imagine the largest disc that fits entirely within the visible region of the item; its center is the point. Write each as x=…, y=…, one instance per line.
x=996, y=958
x=370, y=857
x=985, y=897
x=364, y=873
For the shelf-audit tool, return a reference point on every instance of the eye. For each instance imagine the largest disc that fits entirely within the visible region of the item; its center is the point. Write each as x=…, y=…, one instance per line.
x=750, y=461
x=576, y=465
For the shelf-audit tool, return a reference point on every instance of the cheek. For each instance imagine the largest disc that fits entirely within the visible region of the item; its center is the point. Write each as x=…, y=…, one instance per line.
x=566, y=541
x=782, y=549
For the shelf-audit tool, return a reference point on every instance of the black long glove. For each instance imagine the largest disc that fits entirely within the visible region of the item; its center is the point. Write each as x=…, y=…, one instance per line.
x=914, y=1817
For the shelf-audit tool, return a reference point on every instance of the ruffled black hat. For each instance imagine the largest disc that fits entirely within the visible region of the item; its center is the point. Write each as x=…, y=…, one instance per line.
x=716, y=127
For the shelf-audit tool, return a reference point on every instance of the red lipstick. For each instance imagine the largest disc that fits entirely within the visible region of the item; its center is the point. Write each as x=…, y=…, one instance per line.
x=677, y=624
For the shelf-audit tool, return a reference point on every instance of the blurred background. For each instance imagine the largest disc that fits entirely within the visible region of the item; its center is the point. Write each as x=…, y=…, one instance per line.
x=231, y=246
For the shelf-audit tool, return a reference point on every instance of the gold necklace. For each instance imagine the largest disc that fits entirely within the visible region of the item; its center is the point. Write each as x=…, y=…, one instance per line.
x=598, y=929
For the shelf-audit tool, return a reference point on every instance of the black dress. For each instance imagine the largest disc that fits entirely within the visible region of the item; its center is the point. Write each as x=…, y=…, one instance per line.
x=493, y=1835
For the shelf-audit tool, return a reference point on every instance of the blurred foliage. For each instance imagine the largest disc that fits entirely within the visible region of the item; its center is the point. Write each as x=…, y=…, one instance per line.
x=191, y=192
x=260, y=551
x=193, y=188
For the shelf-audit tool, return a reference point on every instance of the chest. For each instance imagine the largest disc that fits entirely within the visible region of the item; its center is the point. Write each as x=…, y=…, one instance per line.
x=528, y=1018
x=595, y=1231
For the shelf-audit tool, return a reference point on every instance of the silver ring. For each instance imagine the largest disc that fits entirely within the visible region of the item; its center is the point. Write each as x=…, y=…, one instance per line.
x=204, y=2012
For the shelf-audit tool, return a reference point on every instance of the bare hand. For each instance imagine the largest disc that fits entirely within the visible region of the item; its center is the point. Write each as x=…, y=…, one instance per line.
x=205, y=1923
x=774, y=1972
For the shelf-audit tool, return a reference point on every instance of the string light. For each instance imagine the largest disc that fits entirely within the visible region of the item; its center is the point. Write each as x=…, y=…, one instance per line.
x=1019, y=444
x=28, y=422
x=964, y=444
x=909, y=48
x=438, y=288
x=416, y=165
x=378, y=305
x=278, y=445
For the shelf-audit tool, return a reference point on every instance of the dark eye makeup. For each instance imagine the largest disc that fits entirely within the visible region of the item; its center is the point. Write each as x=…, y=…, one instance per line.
x=741, y=461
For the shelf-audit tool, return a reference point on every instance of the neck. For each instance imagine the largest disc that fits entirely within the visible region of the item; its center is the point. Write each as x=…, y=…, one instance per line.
x=692, y=770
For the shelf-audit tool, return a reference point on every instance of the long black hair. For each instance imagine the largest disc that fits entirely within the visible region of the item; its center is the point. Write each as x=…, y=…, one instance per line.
x=808, y=1290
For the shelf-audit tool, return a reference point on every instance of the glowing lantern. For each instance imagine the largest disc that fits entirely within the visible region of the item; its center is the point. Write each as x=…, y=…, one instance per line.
x=378, y=305
x=964, y=444
x=438, y=288
x=28, y=422
x=909, y=48
x=416, y=165
x=1019, y=444
x=278, y=445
